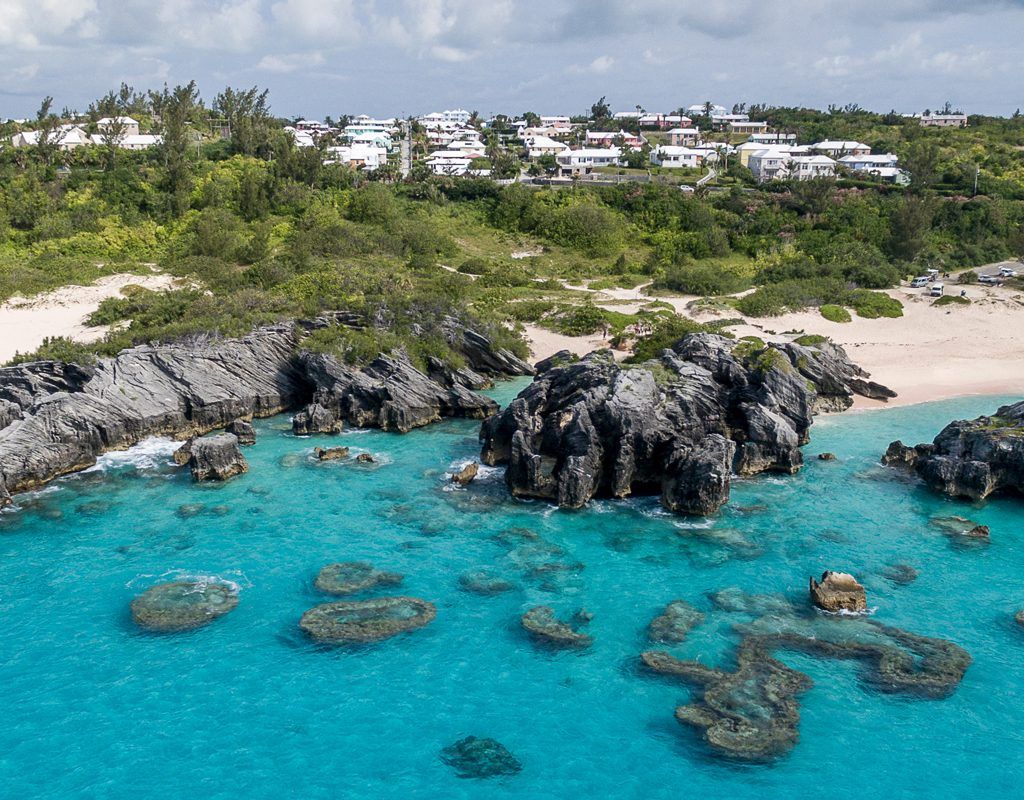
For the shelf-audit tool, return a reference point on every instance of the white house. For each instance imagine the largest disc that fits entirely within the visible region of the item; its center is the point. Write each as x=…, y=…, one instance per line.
x=803, y=168
x=664, y=121
x=609, y=138
x=584, y=160
x=675, y=157
x=301, y=138
x=364, y=156
x=698, y=109
x=66, y=137
x=140, y=141
x=555, y=122
x=449, y=162
x=944, y=120
x=537, y=146
x=773, y=138
x=835, y=149
x=768, y=163
x=682, y=137
x=129, y=126
x=862, y=163
x=458, y=116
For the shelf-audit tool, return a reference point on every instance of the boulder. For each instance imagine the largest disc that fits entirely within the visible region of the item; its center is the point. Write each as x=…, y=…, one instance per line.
x=244, y=430
x=216, y=458
x=1019, y=617
x=542, y=624
x=183, y=605
x=465, y=476
x=353, y=576
x=366, y=458
x=475, y=757
x=314, y=418
x=838, y=591
x=826, y=456
x=679, y=426
x=364, y=621
x=330, y=453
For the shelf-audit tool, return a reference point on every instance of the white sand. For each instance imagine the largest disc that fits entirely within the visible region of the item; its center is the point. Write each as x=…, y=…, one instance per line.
x=26, y=321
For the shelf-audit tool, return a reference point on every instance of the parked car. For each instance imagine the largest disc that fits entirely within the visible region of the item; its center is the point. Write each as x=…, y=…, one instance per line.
x=991, y=280
x=1007, y=272
x=919, y=281
x=932, y=274
x=937, y=290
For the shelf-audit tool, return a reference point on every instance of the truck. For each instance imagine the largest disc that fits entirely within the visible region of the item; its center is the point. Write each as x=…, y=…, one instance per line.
x=936, y=290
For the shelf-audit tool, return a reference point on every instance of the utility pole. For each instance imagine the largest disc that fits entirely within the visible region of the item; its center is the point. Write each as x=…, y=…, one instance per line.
x=977, y=172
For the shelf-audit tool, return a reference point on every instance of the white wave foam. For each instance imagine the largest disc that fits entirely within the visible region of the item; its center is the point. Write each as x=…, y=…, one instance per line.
x=150, y=453
x=236, y=582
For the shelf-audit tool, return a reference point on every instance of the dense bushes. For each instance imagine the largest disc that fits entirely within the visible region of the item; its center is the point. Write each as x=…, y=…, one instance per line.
x=793, y=295
x=701, y=279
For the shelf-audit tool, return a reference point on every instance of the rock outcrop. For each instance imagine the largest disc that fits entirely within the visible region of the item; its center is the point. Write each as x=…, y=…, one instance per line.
x=466, y=475
x=970, y=458
x=351, y=577
x=838, y=591
x=475, y=757
x=182, y=605
x=673, y=624
x=244, y=430
x=364, y=621
x=330, y=453
x=679, y=426
x=545, y=628
x=216, y=458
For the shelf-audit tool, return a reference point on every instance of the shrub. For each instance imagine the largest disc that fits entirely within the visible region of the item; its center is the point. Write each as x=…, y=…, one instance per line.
x=581, y=320
x=667, y=331
x=59, y=348
x=969, y=276
x=834, y=313
x=952, y=299
x=811, y=339
x=701, y=279
x=872, y=305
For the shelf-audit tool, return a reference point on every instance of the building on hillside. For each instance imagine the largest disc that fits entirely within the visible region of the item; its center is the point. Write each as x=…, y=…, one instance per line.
x=449, y=162
x=747, y=128
x=301, y=138
x=664, y=121
x=359, y=156
x=129, y=126
x=610, y=138
x=474, y=148
x=458, y=116
x=944, y=120
x=586, y=159
x=804, y=168
x=773, y=138
x=769, y=163
x=139, y=141
x=538, y=146
x=313, y=126
x=65, y=137
x=866, y=162
x=676, y=157
x=721, y=122
x=684, y=137
x=555, y=122
x=701, y=109
x=837, y=149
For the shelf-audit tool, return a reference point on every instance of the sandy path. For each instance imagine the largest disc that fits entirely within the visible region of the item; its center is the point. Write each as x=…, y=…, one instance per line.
x=26, y=321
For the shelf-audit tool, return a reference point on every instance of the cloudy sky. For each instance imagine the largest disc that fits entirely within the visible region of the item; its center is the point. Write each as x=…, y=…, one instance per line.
x=387, y=57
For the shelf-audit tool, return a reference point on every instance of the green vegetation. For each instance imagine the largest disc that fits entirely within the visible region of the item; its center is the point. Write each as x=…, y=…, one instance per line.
x=952, y=300
x=834, y=313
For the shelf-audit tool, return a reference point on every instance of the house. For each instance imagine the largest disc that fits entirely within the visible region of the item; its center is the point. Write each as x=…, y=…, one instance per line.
x=584, y=160
x=769, y=163
x=313, y=126
x=555, y=122
x=773, y=138
x=747, y=128
x=835, y=149
x=537, y=146
x=664, y=121
x=683, y=137
x=361, y=156
x=301, y=138
x=803, y=168
x=747, y=149
x=449, y=162
x=473, y=148
x=140, y=141
x=700, y=110
x=609, y=138
x=944, y=120
x=675, y=157
x=128, y=126
x=864, y=163
x=65, y=137
x=721, y=122
x=436, y=119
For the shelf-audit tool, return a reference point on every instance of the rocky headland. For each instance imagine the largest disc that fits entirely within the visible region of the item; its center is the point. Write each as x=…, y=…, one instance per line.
x=970, y=458
x=679, y=426
x=57, y=418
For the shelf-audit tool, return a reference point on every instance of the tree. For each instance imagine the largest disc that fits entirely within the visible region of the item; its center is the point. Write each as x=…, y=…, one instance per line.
x=600, y=110
x=247, y=114
x=112, y=135
x=48, y=127
x=812, y=197
x=911, y=221
x=175, y=108
x=921, y=161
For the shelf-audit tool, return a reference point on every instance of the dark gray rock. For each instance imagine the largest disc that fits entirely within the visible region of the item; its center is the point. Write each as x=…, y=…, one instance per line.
x=475, y=757
x=244, y=430
x=216, y=458
x=679, y=426
x=182, y=605
x=970, y=458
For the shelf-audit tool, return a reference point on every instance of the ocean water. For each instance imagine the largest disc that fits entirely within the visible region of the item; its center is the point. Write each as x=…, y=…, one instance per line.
x=247, y=707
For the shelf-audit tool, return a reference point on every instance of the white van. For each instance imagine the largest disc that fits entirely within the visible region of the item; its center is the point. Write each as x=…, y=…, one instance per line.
x=936, y=290
x=919, y=281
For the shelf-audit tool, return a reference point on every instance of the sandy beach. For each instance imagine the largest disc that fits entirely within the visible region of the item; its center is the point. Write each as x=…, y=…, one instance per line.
x=26, y=321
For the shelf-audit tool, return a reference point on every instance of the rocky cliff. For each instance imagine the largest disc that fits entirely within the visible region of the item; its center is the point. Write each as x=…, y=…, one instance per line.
x=57, y=418
x=679, y=426
x=970, y=458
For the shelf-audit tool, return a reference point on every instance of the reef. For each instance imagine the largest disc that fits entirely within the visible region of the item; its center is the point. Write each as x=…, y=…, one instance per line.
x=900, y=574
x=485, y=582
x=679, y=426
x=182, y=605
x=542, y=624
x=475, y=757
x=365, y=621
x=673, y=624
x=970, y=458
x=351, y=577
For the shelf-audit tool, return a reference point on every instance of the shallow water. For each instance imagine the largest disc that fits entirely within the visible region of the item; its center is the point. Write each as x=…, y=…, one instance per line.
x=92, y=707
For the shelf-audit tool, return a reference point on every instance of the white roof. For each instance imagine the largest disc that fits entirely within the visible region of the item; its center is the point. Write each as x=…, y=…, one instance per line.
x=820, y=160
x=121, y=120
x=669, y=150
x=830, y=144
x=871, y=158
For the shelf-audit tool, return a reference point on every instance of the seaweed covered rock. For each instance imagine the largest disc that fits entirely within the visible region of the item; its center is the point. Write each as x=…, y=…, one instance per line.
x=679, y=426
x=838, y=591
x=353, y=576
x=216, y=458
x=674, y=623
x=485, y=582
x=244, y=430
x=363, y=621
x=475, y=757
x=183, y=605
x=900, y=574
x=970, y=458
x=542, y=624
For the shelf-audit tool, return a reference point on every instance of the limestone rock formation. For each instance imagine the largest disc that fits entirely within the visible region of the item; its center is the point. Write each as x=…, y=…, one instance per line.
x=244, y=430
x=363, y=621
x=475, y=757
x=970, y=458
x=674, y=623
x=838, y=591
x=465, y=476
x=679, y=426
x=330, y=453
x=216, y=458
x=353, y=576
x=182, y=605
x=542, y=624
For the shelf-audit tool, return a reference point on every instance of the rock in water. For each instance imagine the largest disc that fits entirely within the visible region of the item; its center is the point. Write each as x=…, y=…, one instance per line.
x=679, y=426
x=465, y=476
x=838, y=591
x=353, y=576
x=1019, y=617
x=244, y=430
x=183, y=605
x=314, y=418
x=485, y=581
x=826, y=456
x=674, y=623
x=216, y=458
x=330, y=453
x=970, y=458
x=475, y=757
x=900, y=574
x=363, y=621
x=545, y=627
x=366, y=458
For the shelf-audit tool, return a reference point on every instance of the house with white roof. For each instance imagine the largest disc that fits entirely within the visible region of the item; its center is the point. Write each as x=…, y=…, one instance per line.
x=676, y=157
x=835, y=149
x=139, y=141
x=360, y=156
x=555, y=122
x=684, y=137
x=456, y=117
x=803, y=168
x=768, y=163
x=449, y=162
x=584, y=160
x=698, y=110
x=65, y=137
x=301, y=138
x=944, y=120
x=721, y=122
x=609, y=138
x=129, y=126
x=664, y=121
x=537, y=146
x=859, y=163
x=747, y=127
x=773, y=138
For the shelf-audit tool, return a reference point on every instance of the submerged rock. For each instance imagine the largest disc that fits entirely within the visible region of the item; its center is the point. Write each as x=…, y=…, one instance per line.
x=189, y=510
x=485, y=581
x=182, y=605
x=678, y=426
x=216, y=458
x=900, y=574
x=475, y=757
x=353, y=576
x=838, y=591
x=465, y=476
x=955, y=525
x=674, y=623
x=1019, y=617
x=330, y=453
x=970, y=458
x=244, y=430
x=826, y=456
x=541, y=623
x=362, y=621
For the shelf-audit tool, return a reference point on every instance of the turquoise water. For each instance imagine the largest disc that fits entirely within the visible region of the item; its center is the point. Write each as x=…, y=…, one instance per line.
x=92, y=707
